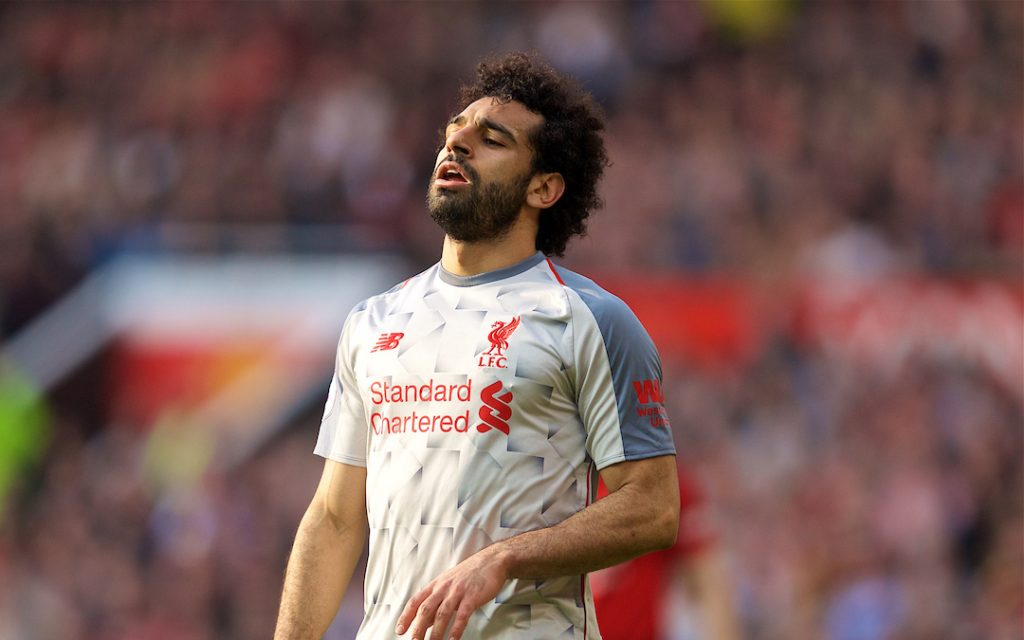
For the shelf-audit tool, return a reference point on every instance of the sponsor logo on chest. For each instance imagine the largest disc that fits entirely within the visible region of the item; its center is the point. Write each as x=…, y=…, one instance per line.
x=411, y=408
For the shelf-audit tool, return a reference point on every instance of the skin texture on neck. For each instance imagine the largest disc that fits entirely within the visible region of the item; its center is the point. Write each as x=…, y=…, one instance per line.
x=472, y=258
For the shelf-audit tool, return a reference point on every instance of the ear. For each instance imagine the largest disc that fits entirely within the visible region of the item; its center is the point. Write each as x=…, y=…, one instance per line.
x=544, y=190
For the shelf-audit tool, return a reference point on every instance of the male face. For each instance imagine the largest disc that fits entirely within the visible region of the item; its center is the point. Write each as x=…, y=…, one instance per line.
x=482, y=171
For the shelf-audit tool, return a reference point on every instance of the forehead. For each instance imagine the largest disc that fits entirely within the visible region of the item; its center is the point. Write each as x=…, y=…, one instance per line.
x=513, y=115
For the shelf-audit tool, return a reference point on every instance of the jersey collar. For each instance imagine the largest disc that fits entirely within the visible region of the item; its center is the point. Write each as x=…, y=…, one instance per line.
x=490, y=276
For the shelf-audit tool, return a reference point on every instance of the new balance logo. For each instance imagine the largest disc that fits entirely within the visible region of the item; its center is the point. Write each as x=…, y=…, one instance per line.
x=387, y=342
x=648, y=391
x=498, y=337
x=496, y=409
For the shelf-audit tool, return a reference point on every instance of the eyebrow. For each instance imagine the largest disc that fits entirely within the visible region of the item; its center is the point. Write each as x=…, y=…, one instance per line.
x=486, y=123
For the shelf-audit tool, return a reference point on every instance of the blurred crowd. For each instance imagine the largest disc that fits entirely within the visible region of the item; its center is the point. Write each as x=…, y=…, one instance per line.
x=856, y=508
x=763, y=140
x=746, y=136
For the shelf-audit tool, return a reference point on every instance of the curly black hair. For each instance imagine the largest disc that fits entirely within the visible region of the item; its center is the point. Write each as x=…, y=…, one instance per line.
x=568, y=142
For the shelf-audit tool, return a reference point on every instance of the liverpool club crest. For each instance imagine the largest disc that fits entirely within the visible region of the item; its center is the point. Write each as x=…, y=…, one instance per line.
x=498, y=337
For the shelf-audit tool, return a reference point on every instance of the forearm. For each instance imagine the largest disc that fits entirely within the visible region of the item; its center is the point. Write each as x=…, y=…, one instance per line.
x=319, y=569
x=621, y=526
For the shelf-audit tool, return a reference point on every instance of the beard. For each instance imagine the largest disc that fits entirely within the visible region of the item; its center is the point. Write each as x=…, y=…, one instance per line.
x=480, y=213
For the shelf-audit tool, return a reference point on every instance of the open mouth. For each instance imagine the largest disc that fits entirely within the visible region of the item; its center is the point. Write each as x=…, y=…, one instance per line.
x=450, y=174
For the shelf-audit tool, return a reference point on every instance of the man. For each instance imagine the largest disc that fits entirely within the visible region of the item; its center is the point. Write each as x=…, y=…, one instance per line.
x=474, y=405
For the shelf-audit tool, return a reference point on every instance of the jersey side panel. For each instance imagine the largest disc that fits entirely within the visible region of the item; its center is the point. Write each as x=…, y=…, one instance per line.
x=618, y=375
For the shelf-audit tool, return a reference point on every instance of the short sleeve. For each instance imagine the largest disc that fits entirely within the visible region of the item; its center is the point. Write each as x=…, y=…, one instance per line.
x=618, y=381
x=343, y=429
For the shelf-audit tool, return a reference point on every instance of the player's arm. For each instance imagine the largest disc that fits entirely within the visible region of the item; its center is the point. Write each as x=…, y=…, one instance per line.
x=329, y=541
x=640, y=514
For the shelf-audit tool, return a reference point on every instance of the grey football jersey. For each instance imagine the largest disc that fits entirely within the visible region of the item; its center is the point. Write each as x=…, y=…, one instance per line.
x=482, y=407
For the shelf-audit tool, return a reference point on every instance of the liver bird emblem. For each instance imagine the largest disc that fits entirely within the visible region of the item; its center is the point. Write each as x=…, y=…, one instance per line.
x=498, y=337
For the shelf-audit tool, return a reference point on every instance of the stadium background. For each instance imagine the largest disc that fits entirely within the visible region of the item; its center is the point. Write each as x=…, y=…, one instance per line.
x=816, y=208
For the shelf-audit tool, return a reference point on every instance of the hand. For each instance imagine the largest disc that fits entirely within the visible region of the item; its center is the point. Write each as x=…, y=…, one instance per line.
x=457, y=592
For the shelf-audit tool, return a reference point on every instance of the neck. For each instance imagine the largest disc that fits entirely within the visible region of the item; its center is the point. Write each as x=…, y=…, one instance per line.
x=471, y=258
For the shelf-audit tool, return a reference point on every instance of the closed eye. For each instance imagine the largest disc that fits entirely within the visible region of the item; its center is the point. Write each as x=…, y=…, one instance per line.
x=492, y=143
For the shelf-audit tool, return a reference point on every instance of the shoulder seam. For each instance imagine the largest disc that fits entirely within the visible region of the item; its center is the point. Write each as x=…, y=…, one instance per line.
x=572, y=316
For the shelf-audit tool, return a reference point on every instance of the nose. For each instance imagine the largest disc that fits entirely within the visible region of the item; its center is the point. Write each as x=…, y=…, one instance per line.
x=458, y=142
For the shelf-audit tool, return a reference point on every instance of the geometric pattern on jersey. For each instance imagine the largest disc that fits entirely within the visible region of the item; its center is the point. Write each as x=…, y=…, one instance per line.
x=483, y=407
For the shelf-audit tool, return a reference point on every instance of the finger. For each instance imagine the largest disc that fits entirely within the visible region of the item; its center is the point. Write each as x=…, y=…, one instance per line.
x=425, y=616
x=461, y=620
x=444, y=614
x=410, y=609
